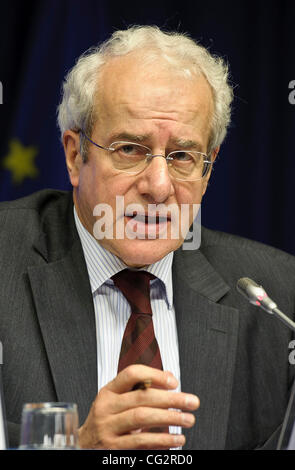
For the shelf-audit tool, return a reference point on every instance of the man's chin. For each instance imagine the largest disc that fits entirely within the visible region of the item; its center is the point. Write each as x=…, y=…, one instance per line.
x=138, y=253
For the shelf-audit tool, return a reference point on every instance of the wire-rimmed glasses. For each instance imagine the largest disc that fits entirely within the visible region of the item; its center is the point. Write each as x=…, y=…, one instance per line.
x=133, y=158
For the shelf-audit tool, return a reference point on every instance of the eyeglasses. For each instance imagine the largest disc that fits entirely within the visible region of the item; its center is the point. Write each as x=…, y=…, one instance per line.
x=128, y=157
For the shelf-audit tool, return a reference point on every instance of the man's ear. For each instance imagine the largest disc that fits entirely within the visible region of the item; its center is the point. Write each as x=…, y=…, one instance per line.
x=71, y=144
x=214, y=154
x=206, y=180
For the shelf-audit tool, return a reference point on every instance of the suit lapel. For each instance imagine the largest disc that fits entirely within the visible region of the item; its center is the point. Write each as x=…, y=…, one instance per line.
x=207, y=335
x=64, y=306
x=66, y=316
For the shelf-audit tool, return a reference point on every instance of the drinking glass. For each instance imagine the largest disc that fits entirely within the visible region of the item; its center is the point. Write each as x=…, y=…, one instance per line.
x=49, y=426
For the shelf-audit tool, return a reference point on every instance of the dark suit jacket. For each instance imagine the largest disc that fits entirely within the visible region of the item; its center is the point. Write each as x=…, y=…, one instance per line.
x=232, y=355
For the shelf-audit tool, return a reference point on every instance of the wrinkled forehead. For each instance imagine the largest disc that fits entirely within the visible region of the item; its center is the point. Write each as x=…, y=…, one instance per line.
x=151, y=81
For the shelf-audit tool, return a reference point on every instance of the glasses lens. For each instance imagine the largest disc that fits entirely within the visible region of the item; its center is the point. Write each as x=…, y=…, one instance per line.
x=132, y=158
x=129, y=157
x=186, y=165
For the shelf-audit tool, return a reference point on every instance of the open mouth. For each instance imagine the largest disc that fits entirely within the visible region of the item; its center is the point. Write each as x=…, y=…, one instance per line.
x=148, y=218
x=146, y=225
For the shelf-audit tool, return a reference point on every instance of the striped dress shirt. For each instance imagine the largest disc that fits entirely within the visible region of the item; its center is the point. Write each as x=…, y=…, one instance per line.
x=112, y=310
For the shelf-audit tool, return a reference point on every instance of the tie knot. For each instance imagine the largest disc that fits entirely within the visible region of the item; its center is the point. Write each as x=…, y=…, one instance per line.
x=135, y=286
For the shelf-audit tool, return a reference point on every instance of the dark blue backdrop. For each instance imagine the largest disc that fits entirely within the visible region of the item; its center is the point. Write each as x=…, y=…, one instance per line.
x=252, y=187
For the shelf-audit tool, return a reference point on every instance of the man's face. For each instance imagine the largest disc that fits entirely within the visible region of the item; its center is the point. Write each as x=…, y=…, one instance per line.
x=161, y=108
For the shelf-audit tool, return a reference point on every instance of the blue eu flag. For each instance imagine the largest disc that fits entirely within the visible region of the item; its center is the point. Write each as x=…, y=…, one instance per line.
x=32, y=156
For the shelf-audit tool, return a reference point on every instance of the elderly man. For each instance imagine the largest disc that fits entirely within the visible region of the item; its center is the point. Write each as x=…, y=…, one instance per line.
x=92, y=309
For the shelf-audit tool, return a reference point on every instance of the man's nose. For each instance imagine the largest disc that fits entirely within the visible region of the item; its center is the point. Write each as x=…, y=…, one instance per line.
x=156, y=181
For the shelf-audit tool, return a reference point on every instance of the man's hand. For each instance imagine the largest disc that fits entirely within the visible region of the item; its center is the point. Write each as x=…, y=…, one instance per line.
x=119, y=415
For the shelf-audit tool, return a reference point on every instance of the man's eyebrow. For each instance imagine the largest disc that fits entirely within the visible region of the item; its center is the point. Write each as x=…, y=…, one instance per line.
x=137, y=138
x=187, y=144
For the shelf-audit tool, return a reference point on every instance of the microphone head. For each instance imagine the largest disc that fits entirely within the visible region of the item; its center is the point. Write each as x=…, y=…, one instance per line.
x=255, y=294
x=250, y=289
x=245, y=283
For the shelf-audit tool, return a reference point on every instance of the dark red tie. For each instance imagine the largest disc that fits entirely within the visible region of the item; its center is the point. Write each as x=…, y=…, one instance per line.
x=139, y=345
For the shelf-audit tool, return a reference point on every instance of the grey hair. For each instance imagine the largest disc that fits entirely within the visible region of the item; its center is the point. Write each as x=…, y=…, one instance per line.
x=187, y=57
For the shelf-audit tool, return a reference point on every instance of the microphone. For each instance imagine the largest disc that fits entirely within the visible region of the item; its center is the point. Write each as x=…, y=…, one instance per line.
x=256, y=295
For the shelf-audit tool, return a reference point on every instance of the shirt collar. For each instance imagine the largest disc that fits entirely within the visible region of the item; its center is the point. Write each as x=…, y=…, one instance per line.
x=102, y=264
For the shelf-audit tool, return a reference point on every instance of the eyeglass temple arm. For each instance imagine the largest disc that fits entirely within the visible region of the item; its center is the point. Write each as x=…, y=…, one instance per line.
x=94, y=143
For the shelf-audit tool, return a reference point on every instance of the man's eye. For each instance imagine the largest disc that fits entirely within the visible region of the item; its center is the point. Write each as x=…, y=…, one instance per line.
x=129, y=149
x=182, y=157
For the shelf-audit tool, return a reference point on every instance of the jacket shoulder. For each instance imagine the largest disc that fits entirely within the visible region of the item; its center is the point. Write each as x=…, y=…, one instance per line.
x=36, y=201
x=235, y=257
x=23, y=220
x=221, y=242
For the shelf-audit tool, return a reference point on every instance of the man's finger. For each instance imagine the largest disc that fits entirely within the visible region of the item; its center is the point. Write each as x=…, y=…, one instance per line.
x=147, y=417
x=156, y=399
x=127, y=379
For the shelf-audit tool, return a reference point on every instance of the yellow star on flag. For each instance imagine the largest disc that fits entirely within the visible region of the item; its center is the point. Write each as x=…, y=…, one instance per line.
x=20, y=161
